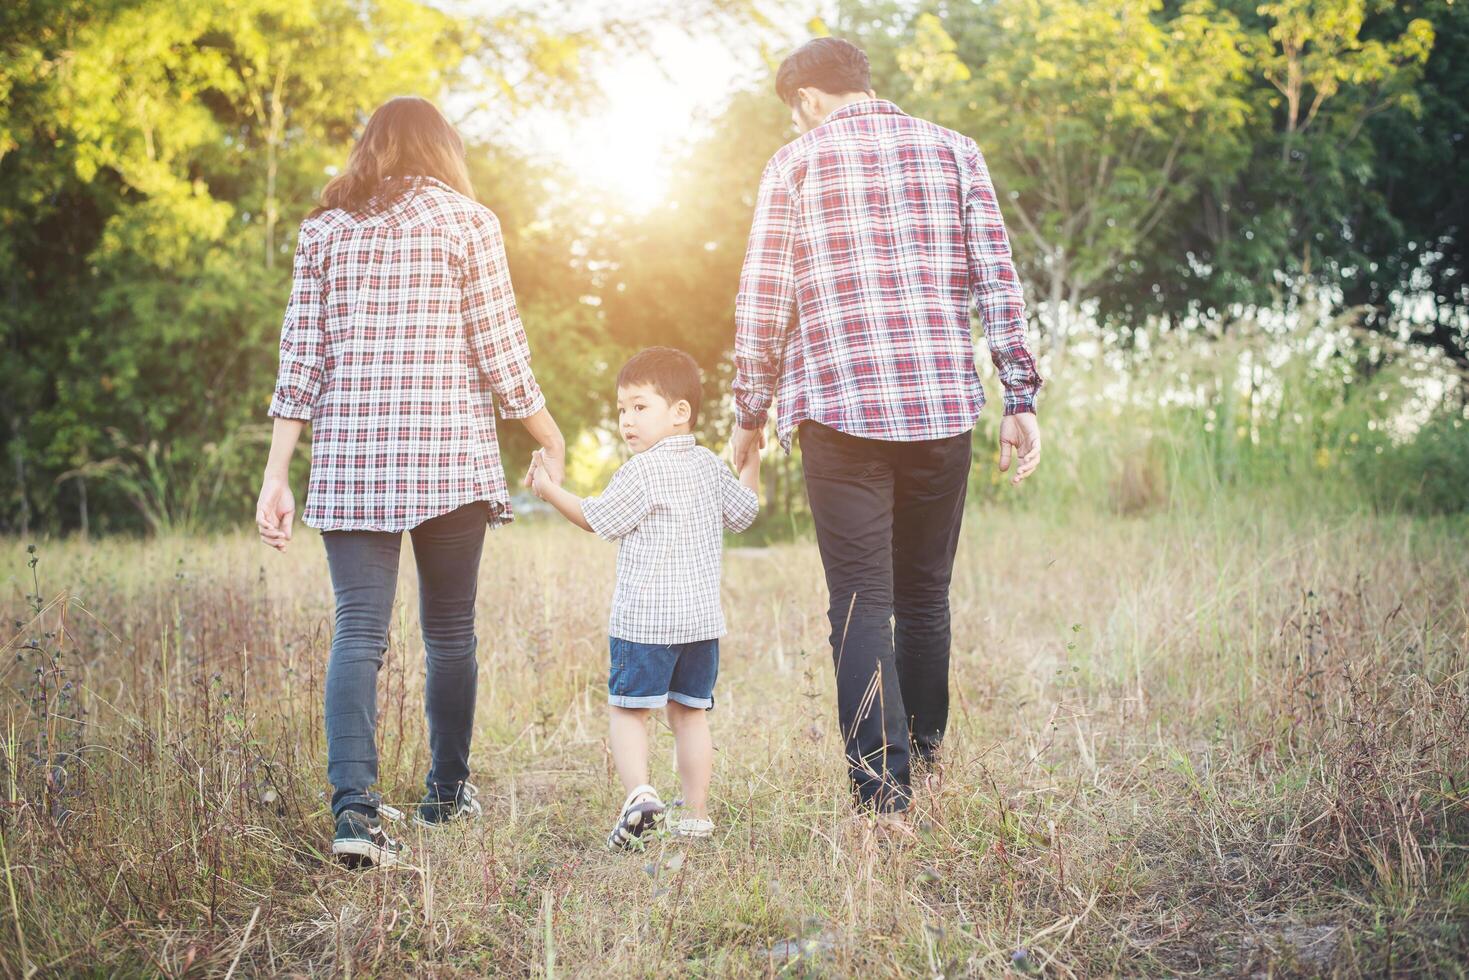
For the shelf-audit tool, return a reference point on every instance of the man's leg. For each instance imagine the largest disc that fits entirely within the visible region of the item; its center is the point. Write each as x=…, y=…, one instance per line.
x=364, y=570
x=447, y=550
x=932, y=478
x=850, y=487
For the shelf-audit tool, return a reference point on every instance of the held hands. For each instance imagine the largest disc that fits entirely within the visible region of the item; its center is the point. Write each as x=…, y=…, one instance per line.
x=275, y=512
x=1020, y=439
x=541, y=476
x=749, y=470
x=745, y=444
x=554, y=465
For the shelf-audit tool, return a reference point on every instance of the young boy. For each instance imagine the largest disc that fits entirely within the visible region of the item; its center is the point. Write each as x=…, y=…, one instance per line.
x=667, y=508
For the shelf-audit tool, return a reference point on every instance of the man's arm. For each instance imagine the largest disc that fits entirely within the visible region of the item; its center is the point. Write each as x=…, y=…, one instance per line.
x=763, y=307
x=996, y=287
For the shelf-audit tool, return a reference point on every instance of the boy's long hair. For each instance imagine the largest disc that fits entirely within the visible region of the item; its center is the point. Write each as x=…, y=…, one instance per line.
x=406, y=137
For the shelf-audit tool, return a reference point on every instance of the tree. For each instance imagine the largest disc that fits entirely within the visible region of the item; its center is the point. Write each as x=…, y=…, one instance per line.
x=1099, y=120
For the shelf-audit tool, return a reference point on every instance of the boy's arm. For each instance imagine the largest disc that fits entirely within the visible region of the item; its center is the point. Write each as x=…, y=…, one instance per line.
x=750, y=473
x=741, y=497
x=568, y=503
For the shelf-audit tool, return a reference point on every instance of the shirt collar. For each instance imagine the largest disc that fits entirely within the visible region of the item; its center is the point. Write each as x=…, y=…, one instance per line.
x=864, y=108
x=417, y=180
x=682, y=440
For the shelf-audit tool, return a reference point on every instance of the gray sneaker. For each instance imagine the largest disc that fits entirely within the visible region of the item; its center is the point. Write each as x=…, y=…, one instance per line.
x=435, y=812
x=361, y=841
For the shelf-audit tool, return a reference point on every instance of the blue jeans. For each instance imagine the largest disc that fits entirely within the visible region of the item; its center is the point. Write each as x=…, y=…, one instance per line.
x=364, y=569
x=649, y=675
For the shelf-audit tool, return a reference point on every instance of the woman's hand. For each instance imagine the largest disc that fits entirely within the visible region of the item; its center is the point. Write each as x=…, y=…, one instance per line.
x=552, y=463
x=275, y=512
x=540, y=476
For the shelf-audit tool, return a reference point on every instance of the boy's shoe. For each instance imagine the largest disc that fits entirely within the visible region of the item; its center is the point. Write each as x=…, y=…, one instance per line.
x=641, y=811
x=361, y=840
x=694, y=828
x=434, y=812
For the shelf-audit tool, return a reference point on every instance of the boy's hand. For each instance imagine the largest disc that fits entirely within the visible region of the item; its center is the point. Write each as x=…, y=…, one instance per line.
x=540, y=475
x=748, y=468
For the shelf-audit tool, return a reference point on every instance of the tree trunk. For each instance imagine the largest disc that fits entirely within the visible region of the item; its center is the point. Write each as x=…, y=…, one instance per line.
x=82, y=515
x=17, y=453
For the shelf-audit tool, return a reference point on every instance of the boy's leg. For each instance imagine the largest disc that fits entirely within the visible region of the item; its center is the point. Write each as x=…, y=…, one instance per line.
x=849, y=483
x=364, y=571
x=627, y=739
x=447, y=551
x=690, y=698
x=694, y=750
x=932, y=480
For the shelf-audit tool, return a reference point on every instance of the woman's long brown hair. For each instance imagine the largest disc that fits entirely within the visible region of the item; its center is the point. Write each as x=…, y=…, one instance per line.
x=406, y=137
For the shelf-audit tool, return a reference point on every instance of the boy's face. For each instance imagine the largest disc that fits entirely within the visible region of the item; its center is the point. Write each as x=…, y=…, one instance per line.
x=644, y=416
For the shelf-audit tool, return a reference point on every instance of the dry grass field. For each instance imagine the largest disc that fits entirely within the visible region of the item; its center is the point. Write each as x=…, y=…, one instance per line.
x=1223, y=744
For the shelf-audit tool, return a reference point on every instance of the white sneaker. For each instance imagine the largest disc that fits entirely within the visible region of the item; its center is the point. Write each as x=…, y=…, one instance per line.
x=694, y=828
x=640, y=812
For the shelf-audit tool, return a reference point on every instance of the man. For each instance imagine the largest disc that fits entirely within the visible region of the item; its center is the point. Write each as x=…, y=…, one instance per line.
x=872, y=231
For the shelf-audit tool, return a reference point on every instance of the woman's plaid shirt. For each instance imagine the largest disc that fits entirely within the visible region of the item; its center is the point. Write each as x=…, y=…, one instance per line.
x=667, y=508
x=401, y=334
x=872, y=232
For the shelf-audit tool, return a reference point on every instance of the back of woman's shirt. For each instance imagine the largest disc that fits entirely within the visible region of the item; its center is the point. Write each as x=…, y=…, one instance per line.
x=401, y=333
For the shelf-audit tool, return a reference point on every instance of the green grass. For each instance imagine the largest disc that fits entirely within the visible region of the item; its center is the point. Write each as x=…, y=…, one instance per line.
x=1226, y=741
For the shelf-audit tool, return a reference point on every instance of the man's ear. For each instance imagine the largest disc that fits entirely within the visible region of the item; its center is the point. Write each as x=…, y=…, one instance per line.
x=682, y=411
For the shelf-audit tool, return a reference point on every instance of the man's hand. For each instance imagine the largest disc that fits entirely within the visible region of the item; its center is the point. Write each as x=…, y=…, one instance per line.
x=1020, y=438
x=275, y=512
x=746, y=442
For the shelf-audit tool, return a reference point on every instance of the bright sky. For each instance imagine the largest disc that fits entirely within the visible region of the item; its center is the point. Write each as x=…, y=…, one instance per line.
x=656, y=101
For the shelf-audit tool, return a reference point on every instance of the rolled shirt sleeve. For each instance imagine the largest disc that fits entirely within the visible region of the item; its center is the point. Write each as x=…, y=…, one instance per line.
x=766, y=300
x=302, y=351
x=492, y=323
x=996, y=287
x=622, y=506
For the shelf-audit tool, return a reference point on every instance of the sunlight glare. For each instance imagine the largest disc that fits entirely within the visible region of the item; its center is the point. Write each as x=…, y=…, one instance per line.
x=623, y=151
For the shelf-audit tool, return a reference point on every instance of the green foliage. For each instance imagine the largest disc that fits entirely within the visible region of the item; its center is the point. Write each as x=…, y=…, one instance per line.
x=1168, y=170
x=1427, y=474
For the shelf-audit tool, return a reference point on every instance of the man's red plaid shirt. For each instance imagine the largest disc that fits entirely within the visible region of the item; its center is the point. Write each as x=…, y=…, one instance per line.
x=401, y=334
x=872, y=233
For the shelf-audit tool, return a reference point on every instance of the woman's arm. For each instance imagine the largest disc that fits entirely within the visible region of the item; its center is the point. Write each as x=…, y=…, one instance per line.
x=543, y=429
x=275, y=511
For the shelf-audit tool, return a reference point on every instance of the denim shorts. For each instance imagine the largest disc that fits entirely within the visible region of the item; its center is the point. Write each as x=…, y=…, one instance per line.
x=648, y=675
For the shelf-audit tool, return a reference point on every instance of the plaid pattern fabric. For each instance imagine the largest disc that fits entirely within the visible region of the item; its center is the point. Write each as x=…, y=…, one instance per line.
x=872, y=232
x=667, y=509
x=400, y=335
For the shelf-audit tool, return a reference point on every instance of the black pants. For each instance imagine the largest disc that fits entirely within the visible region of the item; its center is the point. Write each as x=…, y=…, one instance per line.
x=887, y=520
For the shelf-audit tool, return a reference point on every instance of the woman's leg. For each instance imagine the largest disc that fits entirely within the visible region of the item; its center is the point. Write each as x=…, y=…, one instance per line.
x=364, y=570
x=694, y=750
x=447, y=550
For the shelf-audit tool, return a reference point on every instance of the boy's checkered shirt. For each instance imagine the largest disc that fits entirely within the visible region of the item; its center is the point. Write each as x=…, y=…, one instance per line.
x=667, y=509
x=400, y=336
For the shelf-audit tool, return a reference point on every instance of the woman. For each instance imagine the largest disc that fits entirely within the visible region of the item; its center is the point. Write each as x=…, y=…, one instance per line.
x=401, y=334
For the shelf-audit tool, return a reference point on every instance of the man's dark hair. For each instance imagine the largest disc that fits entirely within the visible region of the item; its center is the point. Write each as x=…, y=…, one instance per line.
x=835, y=66
x=671, y=373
